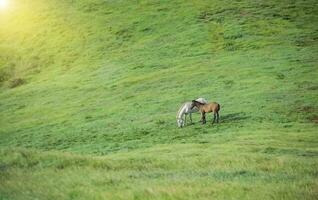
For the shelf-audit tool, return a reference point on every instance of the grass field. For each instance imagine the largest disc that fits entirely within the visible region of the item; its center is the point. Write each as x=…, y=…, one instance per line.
x=89, y=92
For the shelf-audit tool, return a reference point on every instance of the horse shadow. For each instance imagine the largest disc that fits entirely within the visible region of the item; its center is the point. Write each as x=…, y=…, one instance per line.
x=233, y=117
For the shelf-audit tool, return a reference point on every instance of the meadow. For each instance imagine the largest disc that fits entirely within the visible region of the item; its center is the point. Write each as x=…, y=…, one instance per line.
x=89, y=92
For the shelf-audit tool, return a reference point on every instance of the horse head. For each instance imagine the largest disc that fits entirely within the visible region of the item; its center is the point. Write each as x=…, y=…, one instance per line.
x=193, y=104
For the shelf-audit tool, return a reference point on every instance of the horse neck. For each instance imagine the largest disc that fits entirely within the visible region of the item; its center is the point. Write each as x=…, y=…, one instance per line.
x=179, y=111
x=183, y=109
x=198, y=105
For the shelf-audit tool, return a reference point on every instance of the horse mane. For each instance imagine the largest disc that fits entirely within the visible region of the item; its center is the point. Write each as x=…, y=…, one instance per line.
x=198, y=102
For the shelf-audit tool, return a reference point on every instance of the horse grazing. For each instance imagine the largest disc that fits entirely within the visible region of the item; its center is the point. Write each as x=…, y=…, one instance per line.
x=207, y=108
x=185, y=110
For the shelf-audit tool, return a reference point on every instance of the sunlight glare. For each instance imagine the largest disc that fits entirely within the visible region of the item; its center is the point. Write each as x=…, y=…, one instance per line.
x=3, y=4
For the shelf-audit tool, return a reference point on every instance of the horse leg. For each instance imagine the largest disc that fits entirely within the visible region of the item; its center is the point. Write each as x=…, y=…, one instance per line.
x=203, y=118
x=190, y=117
x=214, y=117
x=217, y=119
x=185, y=119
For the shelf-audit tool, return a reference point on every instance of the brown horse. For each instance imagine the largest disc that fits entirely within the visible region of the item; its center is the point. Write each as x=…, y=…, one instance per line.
x=207, y=108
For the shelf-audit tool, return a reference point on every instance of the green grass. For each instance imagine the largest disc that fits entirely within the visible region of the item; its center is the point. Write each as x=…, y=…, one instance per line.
x=90, y=89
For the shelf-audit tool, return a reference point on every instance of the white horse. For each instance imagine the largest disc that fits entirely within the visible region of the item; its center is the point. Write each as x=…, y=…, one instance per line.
x=185, y=109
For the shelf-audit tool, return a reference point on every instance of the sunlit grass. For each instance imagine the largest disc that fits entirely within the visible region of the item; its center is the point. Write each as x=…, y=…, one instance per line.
x=90, y=89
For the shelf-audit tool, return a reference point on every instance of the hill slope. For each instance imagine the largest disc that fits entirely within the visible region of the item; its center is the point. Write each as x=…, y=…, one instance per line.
x=107, y=77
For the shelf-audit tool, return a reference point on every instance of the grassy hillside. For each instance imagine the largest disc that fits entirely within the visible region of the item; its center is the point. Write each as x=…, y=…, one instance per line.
x=90, y=89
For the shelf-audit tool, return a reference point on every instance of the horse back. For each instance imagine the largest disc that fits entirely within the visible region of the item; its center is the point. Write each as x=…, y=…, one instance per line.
x=215, y=107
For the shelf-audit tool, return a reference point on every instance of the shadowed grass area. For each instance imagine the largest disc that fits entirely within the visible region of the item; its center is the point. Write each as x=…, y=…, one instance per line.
x=89, y=92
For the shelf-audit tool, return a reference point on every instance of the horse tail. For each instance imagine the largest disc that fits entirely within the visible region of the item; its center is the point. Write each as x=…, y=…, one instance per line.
x=218, y=108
